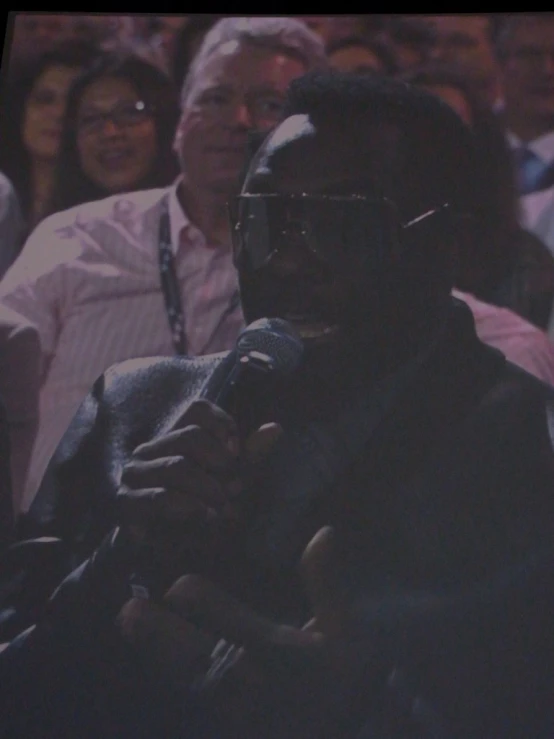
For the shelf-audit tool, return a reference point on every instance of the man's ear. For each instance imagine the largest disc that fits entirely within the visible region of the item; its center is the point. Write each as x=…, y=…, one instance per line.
x=178, y=137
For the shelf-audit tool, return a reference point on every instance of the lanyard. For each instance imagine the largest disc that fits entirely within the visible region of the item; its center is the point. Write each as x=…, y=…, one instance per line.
x=172, y=294
x=170, y=286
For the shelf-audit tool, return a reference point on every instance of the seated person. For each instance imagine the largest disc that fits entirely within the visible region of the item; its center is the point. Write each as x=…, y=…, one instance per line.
x=11, y=224
x=406, y=467
x=504, y=263
x=20, y=369
x=146, y=273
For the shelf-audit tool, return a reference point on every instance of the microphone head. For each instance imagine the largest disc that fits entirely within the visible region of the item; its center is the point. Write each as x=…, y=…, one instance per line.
x=275, y=338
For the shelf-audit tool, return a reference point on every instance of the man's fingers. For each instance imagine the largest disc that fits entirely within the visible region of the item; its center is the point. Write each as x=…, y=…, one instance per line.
x=175, y=649
x=213, y=419
x=204, y=603
x=260, y=442
x=322, y=580
x=142, y=509
x=175, y=473
x=194, y=442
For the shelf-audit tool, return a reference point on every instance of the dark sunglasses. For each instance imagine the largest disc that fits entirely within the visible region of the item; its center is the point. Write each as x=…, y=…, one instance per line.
x=332, y=227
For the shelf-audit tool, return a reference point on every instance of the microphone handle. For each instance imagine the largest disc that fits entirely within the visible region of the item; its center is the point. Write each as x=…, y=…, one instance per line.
x=222, y=393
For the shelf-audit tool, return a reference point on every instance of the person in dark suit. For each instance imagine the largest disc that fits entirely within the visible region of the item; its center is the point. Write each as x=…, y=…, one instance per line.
x=405, y=468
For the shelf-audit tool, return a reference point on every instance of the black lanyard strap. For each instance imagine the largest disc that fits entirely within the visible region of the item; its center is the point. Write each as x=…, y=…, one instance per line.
x=172, y=293
x=170, y=285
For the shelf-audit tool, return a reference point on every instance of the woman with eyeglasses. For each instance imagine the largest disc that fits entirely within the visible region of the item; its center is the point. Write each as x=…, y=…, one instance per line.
x=33, y=109
x=118, y=132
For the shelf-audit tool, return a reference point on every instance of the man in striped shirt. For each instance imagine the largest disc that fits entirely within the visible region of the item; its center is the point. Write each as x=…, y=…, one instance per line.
x=104, y=281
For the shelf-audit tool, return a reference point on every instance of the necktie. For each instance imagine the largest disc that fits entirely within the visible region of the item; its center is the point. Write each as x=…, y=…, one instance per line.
x=532, y=172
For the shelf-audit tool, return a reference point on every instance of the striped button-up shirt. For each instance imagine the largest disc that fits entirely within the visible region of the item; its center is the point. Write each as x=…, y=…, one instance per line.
x=520, y=342
x=89, y=279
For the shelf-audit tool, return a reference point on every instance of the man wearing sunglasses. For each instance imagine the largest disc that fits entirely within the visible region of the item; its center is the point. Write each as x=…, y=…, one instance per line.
x=426, y=606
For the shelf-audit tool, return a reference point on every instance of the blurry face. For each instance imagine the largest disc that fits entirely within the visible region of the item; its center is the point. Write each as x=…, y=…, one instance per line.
x=453, y=97
x=116, y=135
x=166, y=32
x=355, y=59
x=35, y=34
x=332, y=28
x=44, y=112
x=330, y=304
x=528, y=70
x=465, y=42
x=240, y=88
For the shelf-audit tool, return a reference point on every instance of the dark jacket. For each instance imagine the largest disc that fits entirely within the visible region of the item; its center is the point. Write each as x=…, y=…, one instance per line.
x=445, y=527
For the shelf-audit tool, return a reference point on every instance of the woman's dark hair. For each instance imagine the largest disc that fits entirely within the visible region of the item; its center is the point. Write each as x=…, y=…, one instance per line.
x=492, y=195
x=14, y=158
x=156, y=89
x=375, y=46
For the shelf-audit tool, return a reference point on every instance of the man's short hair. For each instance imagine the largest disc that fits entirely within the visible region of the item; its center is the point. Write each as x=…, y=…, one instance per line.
x=438, y=146
x=285, y=35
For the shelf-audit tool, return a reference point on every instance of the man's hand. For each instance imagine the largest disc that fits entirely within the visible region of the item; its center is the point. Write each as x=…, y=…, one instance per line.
x=190, y=475
x=260, y=677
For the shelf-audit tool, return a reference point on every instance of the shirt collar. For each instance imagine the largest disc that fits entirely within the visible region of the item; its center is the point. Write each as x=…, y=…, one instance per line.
x=542, y=146
x=178, y=219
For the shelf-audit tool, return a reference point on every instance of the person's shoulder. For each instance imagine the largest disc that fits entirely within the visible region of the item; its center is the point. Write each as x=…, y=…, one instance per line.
x=67, y=237
x=9, y=202
x=158, y=376
x=522, y=343
x=6, y=187
x=492, y=321
x=537, y=208
x=115, y=208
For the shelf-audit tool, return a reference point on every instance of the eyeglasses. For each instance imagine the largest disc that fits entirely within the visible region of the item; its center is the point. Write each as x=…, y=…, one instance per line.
x=125, y=115
x=357, y=228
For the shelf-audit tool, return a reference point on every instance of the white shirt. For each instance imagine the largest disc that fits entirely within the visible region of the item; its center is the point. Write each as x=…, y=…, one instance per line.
x=542, y=146
x=521, y=342
x=11, y=224
x=89, y=279
x=536, y=210
x=537, y=215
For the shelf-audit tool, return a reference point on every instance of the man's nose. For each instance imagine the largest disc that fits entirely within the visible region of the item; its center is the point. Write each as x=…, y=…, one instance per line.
x=110, y=127
x=241, y=116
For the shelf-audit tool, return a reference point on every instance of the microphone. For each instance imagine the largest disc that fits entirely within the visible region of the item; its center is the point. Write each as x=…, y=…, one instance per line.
x=266, y=350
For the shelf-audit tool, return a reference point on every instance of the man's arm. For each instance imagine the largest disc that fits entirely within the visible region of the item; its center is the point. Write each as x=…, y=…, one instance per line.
x=11, y=225
x=37, y=286
x=20, y=369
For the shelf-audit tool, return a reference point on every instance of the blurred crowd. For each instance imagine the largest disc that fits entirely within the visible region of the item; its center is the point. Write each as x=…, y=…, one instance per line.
x=89, y=109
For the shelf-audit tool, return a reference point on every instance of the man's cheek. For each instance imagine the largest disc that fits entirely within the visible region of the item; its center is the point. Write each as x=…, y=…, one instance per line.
x=188, y=128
